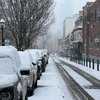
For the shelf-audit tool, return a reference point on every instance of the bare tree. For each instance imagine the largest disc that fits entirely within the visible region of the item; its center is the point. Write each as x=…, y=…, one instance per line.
x=26, y=20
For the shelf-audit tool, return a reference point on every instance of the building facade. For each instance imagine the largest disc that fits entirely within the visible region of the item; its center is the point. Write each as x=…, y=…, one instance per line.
x=91, y=30
x=76, y=38
x=68, y=25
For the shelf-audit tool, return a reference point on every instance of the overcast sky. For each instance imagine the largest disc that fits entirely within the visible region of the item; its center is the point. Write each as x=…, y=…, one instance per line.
x=66, y=8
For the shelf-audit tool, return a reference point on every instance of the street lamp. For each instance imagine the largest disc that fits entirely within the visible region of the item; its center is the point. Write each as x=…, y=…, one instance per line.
x=87, y=44
x=2, y=25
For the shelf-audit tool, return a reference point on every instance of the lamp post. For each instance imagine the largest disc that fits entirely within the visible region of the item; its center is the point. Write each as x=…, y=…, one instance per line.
x=2, y=25
x=87, y=44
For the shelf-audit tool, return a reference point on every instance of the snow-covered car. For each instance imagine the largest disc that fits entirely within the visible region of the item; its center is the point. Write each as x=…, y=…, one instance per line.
x=39, y=61
x=45, y=58
x=46, y=55
x=12, y=84
x=27, y=60
x=36, y=62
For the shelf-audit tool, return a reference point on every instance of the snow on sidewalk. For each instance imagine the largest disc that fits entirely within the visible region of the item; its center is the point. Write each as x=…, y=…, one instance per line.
x=51, y=86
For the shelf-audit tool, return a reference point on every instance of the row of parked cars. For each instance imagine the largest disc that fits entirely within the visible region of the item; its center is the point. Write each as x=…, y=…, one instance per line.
x=20, y=72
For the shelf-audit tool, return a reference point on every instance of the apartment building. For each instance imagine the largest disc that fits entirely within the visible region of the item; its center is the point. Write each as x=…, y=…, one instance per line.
x=91, y=30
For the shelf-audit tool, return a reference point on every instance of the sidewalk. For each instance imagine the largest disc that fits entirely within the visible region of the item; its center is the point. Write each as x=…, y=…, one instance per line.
x=51, y=86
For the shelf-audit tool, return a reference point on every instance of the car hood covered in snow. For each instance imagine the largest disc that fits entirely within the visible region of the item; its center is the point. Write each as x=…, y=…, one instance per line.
x=8, y=80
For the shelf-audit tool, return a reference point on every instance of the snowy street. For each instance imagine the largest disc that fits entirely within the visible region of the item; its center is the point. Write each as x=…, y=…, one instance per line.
x=49, y=50
x=87, y=79
x=51, y=86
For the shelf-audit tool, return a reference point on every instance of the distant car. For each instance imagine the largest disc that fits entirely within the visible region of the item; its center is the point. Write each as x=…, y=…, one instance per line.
x=45, y=57
x=13, y=86
x=39, y=62
x=27, y=60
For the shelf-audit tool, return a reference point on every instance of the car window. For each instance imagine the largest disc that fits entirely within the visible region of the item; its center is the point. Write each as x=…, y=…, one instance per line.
x=7, y=65
x=25, y=61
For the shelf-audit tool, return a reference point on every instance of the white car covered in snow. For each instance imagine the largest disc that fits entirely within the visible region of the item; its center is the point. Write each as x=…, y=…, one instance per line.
x=26, y=60
x=37, y=56
x=12, y=84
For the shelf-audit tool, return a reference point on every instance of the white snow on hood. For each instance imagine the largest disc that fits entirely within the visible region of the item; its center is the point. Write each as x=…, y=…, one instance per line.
x=7, y=80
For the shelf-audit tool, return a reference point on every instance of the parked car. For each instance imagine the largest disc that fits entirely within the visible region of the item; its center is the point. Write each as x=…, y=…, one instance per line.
x=45, y=58
x=37, y=62
x=12, y=83
x=27, y=64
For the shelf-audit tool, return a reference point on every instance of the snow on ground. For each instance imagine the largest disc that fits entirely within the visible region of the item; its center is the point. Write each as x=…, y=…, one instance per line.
x=51, y=86
x=94, y=92
x=92, y=72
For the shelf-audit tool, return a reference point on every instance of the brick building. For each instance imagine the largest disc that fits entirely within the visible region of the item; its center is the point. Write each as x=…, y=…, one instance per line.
x=91, y=30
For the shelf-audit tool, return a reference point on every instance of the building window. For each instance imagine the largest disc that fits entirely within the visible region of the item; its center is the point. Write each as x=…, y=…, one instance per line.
x=91, y=41
x=98, y=14
x=91, y=17
x=97, y=44
x=97, y=41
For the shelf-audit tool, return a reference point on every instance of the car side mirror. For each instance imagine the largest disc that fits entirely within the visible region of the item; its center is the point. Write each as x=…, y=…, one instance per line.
x=33, y=63
x=24, y=72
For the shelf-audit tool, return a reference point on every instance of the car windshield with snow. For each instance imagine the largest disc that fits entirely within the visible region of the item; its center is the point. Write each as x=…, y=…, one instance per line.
x=4, y=68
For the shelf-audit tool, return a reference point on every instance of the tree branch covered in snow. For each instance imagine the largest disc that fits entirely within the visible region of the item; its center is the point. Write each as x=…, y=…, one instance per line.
x=26, y=20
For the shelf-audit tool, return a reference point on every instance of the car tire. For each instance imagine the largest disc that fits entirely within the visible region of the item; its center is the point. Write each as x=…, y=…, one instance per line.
x=31, y=92
x=21, y=97
x=36, y=84
x=44, y=70
x=39, y=78
x=41, y=74
x=47, y=62
x=26, y=98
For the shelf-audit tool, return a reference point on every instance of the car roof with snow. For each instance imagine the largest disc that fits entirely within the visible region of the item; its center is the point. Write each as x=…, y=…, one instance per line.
x=34, y=54
x=10, y=51
x=9, y=60
x=44, y=51
x=39, y=51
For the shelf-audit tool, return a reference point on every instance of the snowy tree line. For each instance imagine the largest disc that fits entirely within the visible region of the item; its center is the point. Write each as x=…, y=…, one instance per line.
x=26, y=20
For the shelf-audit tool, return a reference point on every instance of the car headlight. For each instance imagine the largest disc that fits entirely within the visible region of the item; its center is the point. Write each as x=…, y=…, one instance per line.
x=6, y=94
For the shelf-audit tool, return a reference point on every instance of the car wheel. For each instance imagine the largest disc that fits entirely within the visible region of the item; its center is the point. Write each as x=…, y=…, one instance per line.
x=31, y=92
x=47, y=62
x=26, y=98
x=39, y=76
x=21, y=97
x=44, y=70
x=36, y=84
